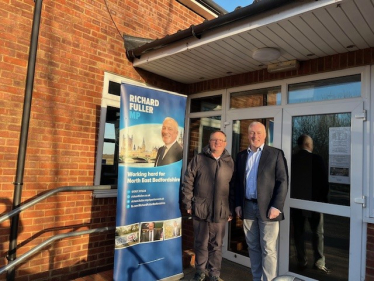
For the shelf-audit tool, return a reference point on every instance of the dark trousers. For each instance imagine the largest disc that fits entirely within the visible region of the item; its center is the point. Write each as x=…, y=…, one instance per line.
x=208, y=245
x=315, y=220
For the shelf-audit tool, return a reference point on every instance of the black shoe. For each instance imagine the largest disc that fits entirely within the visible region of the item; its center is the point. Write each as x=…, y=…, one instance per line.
x=199, y=276
x=302, y=265
x=323, y=268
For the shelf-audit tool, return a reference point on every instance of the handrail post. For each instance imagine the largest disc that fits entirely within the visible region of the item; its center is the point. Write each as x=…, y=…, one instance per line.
x=24, y=134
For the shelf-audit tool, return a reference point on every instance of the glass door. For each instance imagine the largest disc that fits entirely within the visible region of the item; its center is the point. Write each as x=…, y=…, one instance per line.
x=235, y=247
x=321, y=236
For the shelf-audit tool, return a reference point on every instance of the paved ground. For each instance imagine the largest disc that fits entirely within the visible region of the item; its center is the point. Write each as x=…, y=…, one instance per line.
x=230, y=272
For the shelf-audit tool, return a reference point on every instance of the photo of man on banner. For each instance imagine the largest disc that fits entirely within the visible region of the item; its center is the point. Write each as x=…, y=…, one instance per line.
x=172, y=151
x=150, y=233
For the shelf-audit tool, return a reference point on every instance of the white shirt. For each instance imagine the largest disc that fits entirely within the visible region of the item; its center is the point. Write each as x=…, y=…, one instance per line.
x=251, y=170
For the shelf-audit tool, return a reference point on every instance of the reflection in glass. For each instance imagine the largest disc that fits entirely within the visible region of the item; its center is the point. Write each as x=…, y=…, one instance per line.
x=109, y=167
x=328, y=89
x=318, y=127
x=256, y=98
x=210, y=103
x=237, y=243
x=200, y=130
x=319, y=238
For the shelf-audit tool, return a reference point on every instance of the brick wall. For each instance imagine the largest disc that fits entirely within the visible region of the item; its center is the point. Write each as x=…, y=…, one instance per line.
x=370, y=253
x=78, y=41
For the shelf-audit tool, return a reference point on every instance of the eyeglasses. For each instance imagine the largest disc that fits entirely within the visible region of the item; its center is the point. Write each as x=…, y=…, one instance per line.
x=217, y=140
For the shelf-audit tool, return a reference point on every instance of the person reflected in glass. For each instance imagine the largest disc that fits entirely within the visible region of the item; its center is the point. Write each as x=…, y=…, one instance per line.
x=309, y=181
x=172, y=151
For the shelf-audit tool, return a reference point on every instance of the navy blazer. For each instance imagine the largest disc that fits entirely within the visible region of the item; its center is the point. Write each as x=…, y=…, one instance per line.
x=272, y=181
x=174, y=154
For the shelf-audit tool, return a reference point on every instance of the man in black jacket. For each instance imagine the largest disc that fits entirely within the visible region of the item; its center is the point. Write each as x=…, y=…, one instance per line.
x=208, y=196
x=261, y=184
x=309, y=181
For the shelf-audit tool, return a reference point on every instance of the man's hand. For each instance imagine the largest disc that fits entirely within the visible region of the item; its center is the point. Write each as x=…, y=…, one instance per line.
x=238, y=211
x=189, y=211
x=273, y=213
x=230, y=218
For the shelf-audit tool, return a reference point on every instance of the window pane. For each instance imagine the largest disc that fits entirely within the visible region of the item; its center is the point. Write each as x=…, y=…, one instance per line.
x=328, y=89
x=206, y=104
x=109, y=168
x=200, y=129
x=114, y=88
x=256, y=98
x=318, y=128
x=108, y=153
x=319, y=238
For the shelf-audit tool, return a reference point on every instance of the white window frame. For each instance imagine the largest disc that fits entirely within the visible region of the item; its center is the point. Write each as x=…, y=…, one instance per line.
x=113, y=101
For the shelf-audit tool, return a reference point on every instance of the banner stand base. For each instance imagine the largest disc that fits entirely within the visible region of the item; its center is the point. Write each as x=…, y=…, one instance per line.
x=174, y=277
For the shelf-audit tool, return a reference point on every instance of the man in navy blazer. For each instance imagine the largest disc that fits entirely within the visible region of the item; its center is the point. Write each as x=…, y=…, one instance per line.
x=172, y=151
x=261, y=184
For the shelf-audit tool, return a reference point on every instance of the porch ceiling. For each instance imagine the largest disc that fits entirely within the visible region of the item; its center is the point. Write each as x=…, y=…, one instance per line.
x=302, y=30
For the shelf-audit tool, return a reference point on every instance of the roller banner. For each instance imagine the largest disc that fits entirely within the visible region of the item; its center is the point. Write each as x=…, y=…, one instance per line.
x=148, y=223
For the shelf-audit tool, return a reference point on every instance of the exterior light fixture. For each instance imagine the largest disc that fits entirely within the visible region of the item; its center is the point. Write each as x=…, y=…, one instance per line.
x=283, y=66
x=266, y=54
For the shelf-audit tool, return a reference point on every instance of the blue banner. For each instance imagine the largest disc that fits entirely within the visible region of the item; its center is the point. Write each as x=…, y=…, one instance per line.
x=148, y=223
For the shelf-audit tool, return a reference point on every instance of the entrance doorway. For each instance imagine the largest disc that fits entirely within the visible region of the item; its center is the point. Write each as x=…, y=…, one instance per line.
x=236, y=247
x=330, y=109
x=337, y=133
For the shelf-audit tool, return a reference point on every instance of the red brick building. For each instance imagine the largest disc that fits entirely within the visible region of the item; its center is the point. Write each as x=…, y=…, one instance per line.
x=78, y=42
x=320, y=81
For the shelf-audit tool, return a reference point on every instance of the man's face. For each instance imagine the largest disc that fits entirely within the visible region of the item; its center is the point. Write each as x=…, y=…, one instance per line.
x=256, y=136
x=169, y=131
x=151, y=226
x=311, y=145
x=217, y=143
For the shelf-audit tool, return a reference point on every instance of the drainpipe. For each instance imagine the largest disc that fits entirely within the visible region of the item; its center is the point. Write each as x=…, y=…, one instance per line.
x=23, y=137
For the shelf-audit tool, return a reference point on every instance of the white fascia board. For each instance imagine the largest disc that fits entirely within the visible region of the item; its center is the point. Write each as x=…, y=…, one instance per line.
x=199, y=9
x=288, y=11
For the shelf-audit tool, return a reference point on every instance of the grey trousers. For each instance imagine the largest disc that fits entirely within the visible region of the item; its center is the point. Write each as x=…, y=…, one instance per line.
x=208, y=246
x=261, y=237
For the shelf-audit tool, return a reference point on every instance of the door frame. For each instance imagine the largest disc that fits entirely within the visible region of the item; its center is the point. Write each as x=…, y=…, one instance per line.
x=241, y=114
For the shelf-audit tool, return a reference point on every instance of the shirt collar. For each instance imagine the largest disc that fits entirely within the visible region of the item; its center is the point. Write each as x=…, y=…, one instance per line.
x=259, y=149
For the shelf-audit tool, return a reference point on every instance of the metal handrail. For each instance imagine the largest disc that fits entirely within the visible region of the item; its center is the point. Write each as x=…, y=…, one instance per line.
x=20, y=259
x=50, y=193
x=14, y=261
